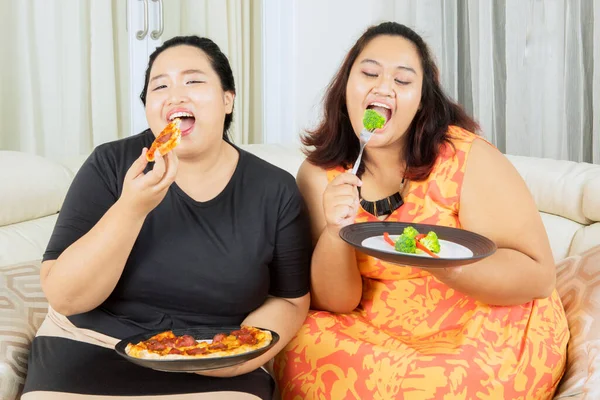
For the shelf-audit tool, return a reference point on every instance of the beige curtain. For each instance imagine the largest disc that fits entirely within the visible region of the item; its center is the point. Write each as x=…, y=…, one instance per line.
x=60, y=76
x=64, y=74
x=235, y=26
x=528, y=70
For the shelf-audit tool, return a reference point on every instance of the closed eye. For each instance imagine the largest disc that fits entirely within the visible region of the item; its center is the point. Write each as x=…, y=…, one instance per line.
x=401, y=82
x=195, y=82
x=370, y=75
x=159, y=87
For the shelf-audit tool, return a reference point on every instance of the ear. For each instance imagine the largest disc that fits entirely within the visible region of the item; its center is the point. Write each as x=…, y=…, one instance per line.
x=228, y=99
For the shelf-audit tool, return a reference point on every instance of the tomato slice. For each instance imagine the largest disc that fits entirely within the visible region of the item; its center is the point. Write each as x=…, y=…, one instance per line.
x=421, y=246
x=387, y=238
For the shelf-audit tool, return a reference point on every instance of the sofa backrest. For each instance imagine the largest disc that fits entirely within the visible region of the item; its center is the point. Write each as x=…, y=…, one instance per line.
x=33, y=188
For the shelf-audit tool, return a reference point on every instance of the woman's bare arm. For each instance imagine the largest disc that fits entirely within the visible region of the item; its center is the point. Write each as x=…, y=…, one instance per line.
x=336, y=284
x=86, y=273
x=496, y=203
x=284, y=316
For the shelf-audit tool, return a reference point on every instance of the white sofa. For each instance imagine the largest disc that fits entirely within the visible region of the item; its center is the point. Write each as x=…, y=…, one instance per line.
x=32, y=190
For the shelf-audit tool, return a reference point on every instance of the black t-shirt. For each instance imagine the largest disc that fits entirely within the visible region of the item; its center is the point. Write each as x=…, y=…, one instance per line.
x=193, y=263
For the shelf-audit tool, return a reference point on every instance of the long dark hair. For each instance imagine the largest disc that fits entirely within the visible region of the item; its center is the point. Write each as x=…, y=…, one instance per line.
x=334, y=140
x=218, y=61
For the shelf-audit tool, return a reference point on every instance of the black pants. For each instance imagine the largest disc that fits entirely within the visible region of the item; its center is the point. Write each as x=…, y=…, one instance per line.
x=68, y=366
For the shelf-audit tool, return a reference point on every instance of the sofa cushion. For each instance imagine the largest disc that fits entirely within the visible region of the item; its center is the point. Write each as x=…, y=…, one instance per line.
x=591, y=198
x=25, y=240
x=34, y=186
x=560, y=234
x=578, y=283
x=287, y=157
x=585, y=238
x=23, y=308
x=558, y=186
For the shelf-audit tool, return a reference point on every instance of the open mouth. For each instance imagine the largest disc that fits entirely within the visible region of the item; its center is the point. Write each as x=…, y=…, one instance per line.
x=382, y=109
x=187, y=121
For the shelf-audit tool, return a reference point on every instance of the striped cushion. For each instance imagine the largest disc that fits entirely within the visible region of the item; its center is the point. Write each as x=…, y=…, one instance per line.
x=22, y=310
x=578, y=282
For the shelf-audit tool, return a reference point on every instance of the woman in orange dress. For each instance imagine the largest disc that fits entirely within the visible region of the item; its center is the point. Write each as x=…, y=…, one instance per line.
x=495, y=329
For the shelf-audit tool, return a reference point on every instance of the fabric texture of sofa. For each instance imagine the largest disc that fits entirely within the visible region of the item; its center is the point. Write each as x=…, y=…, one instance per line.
x=567, y=195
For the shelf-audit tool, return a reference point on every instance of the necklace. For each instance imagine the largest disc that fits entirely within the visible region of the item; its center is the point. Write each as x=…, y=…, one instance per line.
x=385, y=206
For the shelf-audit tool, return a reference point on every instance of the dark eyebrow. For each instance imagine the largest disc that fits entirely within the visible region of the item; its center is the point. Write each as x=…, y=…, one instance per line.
x=158, y=77
x=404, y=67
x=186, y=72
x=193, y=71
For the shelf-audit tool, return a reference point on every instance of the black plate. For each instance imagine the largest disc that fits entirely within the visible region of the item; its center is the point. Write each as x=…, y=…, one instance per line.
x=193, y=364
x=458, y=239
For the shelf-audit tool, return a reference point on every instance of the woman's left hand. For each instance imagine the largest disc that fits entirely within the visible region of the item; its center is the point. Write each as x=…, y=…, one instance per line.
x=226, y=372
x=284, y=316
x=448, y=272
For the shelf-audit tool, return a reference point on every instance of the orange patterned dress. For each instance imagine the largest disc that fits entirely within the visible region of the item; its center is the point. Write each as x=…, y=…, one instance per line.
x=413, y=337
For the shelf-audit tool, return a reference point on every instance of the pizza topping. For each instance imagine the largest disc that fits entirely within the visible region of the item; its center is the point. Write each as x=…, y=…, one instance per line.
x=247, y=339
x=217, y=346
x=239, y=332
x=185, y=341
x=196, y=351
x=167, y=344
x=163, y=138
x=156, y=345
x=219, y=337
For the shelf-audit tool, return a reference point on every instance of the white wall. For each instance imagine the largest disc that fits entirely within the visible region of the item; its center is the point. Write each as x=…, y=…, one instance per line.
x=305, y=42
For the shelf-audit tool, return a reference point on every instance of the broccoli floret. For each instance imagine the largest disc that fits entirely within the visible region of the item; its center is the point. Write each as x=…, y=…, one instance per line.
x=405, y=244
x=373, y=120
x=431, y=242
x=410, y=232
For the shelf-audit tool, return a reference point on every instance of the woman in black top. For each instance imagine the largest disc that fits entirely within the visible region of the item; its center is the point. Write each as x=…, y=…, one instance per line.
x=206, y=235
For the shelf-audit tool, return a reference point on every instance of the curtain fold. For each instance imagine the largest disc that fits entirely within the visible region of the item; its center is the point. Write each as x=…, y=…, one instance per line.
x=529, y=71
x=233, y=25
x=59, y=87
x=65, y=88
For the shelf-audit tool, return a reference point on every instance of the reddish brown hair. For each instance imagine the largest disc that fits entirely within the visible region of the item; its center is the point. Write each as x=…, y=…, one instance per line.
x=334, y=141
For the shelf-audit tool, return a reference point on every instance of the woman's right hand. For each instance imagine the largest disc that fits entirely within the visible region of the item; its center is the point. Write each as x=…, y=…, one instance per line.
x=340, y=201
x=143, y=192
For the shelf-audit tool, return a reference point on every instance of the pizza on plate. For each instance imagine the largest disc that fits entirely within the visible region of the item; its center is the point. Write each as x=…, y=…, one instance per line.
x=168, y=346
x=168, y=139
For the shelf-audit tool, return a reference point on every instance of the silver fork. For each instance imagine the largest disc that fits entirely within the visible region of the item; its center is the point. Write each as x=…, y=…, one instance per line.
x=364, y=137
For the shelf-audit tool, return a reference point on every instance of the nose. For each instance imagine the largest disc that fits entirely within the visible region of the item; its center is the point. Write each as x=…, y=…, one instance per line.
x=177, y=95
x=384, y=86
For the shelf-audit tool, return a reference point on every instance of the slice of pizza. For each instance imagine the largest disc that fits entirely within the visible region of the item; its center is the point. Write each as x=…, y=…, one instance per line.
x=166, y=345
x=168, y=139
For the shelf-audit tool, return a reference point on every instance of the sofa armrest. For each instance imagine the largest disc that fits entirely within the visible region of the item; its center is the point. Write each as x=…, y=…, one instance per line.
x=23, y=308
